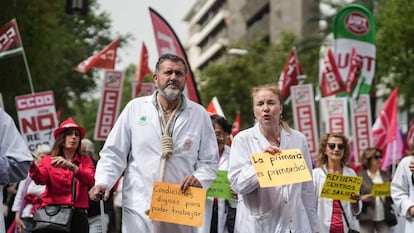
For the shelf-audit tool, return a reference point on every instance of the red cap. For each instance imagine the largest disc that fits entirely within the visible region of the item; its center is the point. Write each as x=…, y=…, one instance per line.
x=69, y=123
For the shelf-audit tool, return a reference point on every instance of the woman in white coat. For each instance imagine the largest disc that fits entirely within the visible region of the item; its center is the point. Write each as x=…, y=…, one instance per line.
x=282, y=209
x=216, y=209
x=402, y=192
x=333, y=158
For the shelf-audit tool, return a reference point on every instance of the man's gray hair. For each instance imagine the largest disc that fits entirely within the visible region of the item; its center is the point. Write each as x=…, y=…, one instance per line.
x=89, y=145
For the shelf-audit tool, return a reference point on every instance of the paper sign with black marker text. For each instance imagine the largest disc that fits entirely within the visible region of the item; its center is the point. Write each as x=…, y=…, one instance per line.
x=287, y=167
x=341, y=187
x=170, y=204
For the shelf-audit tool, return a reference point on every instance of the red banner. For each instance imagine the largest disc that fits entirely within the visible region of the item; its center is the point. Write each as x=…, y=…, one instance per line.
x=290, y=74
x=361, y=127
x=304, y=116
x=354, y=71
x=144, y=89
x=110, y=103
x=334, y=115
x=330, y=80
x=142, y=68
x=10, y=42
x=168, y=42
x=104, y=59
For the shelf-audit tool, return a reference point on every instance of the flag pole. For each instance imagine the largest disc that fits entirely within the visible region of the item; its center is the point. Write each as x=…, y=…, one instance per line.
x=25, y=63
x=28, y=71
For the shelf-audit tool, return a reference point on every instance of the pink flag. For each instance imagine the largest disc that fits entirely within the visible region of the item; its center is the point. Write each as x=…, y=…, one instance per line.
x=410, y=135
x=290, y=74
x=354, y=71
x=142, y=68
x=330, y=79
x=386, y=133
x=168, y=42
x=104, y=59
x=10, y=42
x=214, y=108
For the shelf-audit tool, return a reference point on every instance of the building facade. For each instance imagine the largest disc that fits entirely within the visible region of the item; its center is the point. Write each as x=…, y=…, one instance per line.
x=214, y=24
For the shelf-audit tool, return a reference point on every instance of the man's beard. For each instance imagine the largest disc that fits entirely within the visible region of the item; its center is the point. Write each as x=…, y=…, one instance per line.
x=170, y=94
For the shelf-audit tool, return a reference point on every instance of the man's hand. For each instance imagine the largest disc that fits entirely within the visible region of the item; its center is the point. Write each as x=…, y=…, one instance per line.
x=190, y=180
x=96, y=192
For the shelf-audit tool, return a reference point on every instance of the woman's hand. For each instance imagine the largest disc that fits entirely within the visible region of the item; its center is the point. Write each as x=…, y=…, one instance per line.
x=59, y=161
x=366, y=197
x=272, y=150
x=19, y=223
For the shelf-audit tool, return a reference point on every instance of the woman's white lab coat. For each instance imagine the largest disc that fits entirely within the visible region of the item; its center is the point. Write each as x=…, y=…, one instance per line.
x=325, y=205
x=402, y=193
x=280, y=209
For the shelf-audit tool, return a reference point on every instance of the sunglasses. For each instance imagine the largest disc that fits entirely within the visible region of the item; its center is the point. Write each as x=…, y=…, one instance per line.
x=377, y=157
x=332, y=146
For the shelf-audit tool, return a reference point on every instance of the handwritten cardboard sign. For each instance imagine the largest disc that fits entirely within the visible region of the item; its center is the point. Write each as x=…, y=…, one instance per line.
x=170, y=204
x=287, y=167
x=221, y=186
x=381, y=190
x=341, y=187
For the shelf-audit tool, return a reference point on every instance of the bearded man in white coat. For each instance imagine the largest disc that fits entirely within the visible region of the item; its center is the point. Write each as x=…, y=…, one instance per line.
x=134, y=145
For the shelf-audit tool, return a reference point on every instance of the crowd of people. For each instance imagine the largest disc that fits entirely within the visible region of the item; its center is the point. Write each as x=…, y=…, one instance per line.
x=166, y=137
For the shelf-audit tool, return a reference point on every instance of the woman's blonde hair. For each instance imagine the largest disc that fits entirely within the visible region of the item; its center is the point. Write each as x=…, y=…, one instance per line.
x=275, y=90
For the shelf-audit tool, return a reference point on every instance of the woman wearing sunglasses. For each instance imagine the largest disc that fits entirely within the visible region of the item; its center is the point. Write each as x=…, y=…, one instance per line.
x=372, y=218
x=335, y=216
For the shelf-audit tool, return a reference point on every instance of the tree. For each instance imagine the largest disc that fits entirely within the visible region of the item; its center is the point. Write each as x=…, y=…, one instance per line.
x=395, y=47
x=54, y=43
x=231, y=80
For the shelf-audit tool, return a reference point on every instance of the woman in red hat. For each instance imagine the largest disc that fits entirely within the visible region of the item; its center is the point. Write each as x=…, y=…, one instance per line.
x=63, y=166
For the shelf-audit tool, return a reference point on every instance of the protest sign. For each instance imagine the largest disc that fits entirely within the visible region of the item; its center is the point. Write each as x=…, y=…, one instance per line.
x=287, y=167
x=220, y=187
x=341, y=187
x=170, y=204
x=381, y=190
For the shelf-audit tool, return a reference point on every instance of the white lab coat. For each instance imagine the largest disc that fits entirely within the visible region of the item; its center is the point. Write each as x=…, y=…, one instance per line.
x=12, y=145
x=134, y=144
x=402, y=193
x=325, y=205
x=222, y=213
x=286, y=208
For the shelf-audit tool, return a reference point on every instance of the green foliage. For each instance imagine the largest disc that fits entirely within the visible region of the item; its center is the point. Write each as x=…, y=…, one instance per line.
x=54, y=44
x=232, y=79
x=395, y=46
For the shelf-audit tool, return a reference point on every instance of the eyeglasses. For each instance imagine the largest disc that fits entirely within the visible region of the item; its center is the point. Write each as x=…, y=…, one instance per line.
x=332, y=146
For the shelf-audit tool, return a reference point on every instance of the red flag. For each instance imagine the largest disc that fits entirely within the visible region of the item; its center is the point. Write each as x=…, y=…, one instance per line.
x=386, y=134
x=235, y=129
x=354, y=71
x=290, y=74
x=330, y=80
x=168, y=42
x=10, y=42
x=104, y=59
x=142, y=68
x=214, y=108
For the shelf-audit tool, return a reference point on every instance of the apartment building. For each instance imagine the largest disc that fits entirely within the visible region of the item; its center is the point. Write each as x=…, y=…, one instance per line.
x=214, y=24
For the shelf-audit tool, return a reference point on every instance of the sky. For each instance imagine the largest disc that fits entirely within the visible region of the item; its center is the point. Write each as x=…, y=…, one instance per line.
x=132, y=16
